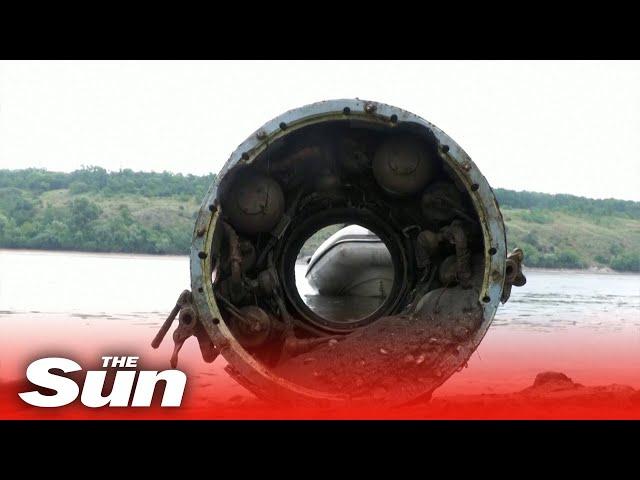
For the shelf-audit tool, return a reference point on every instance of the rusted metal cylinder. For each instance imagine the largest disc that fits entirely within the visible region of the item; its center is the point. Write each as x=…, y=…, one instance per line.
x=372, y=164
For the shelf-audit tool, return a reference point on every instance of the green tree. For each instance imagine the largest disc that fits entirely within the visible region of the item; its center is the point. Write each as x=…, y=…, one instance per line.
x=569, y=258
x=629, y=262
x=82, y=213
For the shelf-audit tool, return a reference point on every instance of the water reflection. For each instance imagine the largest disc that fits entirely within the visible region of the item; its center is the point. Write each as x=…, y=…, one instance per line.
x=138, y=287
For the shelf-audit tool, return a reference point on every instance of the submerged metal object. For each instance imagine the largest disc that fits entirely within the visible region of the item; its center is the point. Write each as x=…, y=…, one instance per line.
x=349, y=162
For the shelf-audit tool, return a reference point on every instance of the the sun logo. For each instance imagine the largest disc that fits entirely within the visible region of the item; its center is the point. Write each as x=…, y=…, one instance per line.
x=125, y=382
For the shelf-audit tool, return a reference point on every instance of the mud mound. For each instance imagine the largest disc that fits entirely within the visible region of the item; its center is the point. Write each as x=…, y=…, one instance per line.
x=395, y=353
x=553, y=395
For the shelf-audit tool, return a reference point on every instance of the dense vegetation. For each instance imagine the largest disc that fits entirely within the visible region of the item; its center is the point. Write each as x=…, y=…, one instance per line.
x=98, y=180
x=95, y=210
x=567, y=203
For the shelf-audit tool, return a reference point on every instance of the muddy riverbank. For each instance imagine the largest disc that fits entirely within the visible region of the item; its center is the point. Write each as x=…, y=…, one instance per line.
x=551, y=395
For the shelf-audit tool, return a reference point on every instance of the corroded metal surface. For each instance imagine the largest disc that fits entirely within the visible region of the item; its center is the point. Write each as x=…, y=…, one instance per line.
x=209, y=241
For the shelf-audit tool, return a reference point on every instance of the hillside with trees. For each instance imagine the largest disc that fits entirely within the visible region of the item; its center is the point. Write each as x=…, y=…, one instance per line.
x=146, y=212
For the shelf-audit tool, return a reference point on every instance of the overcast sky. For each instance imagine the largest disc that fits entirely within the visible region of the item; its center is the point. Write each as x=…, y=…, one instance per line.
x=557, y=127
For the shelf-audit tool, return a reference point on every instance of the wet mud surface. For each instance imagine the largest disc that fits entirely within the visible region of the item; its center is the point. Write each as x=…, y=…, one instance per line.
x=395, y=354
x=552, y=395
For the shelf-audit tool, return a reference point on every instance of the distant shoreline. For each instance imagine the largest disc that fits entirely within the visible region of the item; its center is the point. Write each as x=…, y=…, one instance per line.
x=93, y=210
x=92, y=252
x=595, y=270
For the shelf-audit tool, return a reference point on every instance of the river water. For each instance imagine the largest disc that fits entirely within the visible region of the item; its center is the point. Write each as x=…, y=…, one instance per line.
x=588, y=323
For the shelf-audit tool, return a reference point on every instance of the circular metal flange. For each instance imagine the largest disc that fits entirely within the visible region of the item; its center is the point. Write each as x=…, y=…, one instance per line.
x=253, y=374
